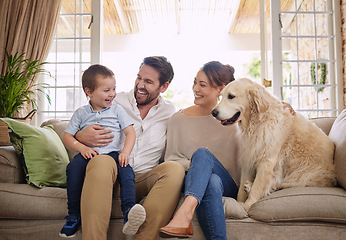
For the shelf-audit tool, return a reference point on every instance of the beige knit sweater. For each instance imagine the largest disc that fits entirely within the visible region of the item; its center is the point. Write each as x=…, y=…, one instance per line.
x=185, y=134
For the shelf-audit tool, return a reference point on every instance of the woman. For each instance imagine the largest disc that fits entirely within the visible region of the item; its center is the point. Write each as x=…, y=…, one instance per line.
x=208, y=151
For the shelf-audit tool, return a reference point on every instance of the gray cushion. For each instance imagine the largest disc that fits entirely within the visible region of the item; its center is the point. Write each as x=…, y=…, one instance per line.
x=11, y=169
x=23, y=201
x=233, y=209
x=325, y=123
x=338, y=135
x=302, y=204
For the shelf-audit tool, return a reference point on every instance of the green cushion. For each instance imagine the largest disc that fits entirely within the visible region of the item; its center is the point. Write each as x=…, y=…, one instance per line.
x=44, y=155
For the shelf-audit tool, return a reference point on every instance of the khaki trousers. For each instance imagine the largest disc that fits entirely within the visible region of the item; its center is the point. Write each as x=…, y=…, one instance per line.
x=161, y=186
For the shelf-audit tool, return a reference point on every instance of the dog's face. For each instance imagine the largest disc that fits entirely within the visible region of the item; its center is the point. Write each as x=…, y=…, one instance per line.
x=239, y=97
x=232, y=104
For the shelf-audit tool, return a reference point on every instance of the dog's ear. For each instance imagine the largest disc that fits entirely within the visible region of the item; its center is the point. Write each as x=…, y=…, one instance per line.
x=258, y=101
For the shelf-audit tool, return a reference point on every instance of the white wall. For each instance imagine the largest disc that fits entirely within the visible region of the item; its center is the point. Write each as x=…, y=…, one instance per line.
x=187, y=53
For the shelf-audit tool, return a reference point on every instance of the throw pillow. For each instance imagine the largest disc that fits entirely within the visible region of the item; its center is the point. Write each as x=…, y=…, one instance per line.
x=338, y=136
x=44, y=155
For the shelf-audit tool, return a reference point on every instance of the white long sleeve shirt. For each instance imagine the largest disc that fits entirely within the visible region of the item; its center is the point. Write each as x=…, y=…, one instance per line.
x=150, y=132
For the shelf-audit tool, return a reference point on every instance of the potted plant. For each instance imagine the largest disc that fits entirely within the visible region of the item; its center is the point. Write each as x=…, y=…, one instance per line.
x=17, y=85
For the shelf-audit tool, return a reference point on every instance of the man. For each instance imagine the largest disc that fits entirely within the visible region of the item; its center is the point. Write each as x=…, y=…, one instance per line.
x=159, y=183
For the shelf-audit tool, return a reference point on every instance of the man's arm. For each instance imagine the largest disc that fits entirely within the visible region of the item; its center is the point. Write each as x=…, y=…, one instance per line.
x=94, y=135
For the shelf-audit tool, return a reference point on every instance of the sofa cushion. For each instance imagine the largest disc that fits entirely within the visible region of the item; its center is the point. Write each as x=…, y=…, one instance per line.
x=324, y=123
x=11, y=170
x=23, y=201
x=302, y=204
x=338, y=136
x=233, y=209
x=45, y=157
x=59, y=127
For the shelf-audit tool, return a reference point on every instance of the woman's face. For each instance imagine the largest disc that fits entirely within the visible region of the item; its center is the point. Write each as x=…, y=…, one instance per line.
x=205, y=94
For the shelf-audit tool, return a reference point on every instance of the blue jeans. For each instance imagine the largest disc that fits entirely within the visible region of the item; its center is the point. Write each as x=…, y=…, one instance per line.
x=207, y=180
x=75, y=173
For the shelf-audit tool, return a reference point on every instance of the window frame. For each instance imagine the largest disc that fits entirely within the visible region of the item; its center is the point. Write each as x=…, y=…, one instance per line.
x=335, y=50
x=46, y=111
x=96, y=49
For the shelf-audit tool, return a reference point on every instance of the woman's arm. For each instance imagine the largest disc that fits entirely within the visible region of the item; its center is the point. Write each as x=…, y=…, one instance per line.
x=173, y=147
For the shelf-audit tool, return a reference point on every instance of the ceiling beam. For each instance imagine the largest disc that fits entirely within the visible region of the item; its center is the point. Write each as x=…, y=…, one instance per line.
x=177, y=15
x=234, y=13
x=122, y=16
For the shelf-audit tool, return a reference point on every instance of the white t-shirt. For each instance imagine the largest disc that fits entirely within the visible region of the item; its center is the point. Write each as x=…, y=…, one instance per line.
x=150, y=132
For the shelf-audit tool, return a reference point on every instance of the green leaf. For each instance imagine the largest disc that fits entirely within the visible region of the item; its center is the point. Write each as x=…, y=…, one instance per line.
x=17, y=85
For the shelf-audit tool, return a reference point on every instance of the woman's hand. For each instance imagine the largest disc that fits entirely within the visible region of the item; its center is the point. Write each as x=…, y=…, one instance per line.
x=94, y=135
x=287, y=105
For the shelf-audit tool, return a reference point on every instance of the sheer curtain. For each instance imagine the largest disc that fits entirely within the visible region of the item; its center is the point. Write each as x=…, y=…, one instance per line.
x=27, y=27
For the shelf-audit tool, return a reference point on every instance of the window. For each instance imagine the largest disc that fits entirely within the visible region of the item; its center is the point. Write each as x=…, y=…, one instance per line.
x=305, y=47
x=69, y=55
x=305, y=55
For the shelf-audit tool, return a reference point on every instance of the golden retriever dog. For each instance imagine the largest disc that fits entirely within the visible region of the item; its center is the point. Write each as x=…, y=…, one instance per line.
x=278, y=149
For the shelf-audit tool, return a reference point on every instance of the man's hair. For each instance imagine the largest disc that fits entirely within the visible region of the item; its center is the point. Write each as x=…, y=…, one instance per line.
x=89, y=77
x=162, y=65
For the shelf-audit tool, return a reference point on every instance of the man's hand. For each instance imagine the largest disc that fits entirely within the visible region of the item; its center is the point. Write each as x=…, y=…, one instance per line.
x=94, y=135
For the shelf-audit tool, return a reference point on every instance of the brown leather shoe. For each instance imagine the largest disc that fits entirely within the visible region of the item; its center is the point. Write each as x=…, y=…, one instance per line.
x=170, y=232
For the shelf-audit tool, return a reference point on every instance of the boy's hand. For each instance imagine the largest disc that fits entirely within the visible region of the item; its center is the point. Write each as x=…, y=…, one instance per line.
x=88, y=152
x=123, y=159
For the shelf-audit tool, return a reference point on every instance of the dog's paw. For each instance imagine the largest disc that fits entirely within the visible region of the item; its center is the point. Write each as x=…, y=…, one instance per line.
x=242, y=195
x=247, y=186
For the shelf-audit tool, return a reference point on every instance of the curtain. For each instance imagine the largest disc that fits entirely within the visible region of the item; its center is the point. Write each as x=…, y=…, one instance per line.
x=27, y=26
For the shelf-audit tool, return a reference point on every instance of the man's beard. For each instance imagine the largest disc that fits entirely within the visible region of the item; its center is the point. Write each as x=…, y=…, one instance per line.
x=150, y=96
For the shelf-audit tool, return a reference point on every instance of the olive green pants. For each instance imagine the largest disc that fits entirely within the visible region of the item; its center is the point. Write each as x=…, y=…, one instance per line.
x=161, y=186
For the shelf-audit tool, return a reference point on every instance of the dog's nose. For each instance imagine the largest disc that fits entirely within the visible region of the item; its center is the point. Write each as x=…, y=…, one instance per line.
x=214, y=112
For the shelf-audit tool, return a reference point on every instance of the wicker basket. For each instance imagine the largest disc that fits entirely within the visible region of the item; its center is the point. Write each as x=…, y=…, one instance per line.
x=4, y=137
x=4, y=130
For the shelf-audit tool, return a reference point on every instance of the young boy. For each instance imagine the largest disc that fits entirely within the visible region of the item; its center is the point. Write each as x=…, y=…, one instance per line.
x=98, y=83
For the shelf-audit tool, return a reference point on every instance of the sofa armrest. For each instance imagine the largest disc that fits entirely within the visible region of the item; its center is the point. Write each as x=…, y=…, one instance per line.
x=325, y=123
x=11, y=170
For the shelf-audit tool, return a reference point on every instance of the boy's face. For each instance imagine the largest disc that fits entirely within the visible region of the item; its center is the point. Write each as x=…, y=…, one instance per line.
x=102, y=97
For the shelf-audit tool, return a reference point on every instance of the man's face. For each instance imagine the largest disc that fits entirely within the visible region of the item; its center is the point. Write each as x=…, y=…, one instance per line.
x=147, y=85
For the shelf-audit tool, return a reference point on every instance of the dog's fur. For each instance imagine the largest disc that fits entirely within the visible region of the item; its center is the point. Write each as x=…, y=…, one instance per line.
x=277, y=149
